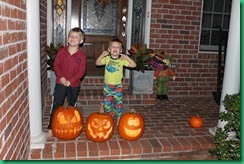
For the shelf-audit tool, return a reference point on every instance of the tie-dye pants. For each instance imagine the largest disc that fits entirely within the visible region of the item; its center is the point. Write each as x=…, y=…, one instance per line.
x=113, y=98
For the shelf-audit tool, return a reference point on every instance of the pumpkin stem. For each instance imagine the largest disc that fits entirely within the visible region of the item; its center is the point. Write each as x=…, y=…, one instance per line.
x=102, y=108
x=132, y=110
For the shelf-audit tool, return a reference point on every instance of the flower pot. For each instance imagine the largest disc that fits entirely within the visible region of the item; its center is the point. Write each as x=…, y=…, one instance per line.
x=52, y=77
x=141, y=83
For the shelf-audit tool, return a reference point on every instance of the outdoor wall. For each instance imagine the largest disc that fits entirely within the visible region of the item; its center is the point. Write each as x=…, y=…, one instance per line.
x=175, y=26
x=14, y=106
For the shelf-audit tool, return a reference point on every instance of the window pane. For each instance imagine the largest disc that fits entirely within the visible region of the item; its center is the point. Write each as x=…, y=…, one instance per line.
x=215, y=37
x=218, y=5
x=228, y=6
x=205, y=36
x=226, y=22
x=217, y=21
x=208, y=5
x=216, y=15
x=206, y=20
x=137, y=21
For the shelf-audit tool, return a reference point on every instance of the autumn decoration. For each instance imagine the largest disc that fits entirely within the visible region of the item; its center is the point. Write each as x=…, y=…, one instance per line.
x=131, y=125
x=99, y=126
x=67, y=123
x=196, y=121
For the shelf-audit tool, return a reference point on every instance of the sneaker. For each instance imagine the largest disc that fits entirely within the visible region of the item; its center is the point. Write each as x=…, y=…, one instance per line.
x=49, y=133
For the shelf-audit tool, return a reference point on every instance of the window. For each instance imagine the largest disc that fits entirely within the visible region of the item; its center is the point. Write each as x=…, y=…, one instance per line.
x=138, y=22
x=216, y=17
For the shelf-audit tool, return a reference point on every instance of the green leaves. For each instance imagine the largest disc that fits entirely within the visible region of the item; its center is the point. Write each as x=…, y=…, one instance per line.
x=142, y=56
x=51, y=53
x=228, y=148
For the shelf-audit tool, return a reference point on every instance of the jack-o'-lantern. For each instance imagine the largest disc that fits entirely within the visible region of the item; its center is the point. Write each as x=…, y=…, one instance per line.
x=99, y=126
x=131, y=126
x=67, y=123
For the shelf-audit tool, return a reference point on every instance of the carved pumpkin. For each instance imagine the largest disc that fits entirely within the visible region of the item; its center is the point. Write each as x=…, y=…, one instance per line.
x=131, y=126
x=67, y=123
x=196, y=121
x=99, y=126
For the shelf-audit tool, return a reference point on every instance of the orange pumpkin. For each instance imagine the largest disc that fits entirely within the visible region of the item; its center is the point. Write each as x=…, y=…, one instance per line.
x=99, y=126
x=67, y=123
x=131, y=126
x=196, y=121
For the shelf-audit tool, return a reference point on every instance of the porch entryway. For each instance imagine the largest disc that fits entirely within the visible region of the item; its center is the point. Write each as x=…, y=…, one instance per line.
x=167, y=135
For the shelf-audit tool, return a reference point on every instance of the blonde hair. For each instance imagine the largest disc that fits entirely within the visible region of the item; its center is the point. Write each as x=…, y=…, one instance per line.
x=77, y=29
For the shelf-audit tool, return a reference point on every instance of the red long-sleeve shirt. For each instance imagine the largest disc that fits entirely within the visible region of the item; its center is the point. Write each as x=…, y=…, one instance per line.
x=72, y=67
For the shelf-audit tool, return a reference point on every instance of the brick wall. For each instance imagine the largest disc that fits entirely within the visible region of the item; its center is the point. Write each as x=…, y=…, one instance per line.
x=14, y=106
x=175, y=26
x=43, y=42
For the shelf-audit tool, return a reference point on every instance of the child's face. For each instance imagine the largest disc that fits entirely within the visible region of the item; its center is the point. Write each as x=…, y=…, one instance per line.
x=115, y=49
x=75, y=39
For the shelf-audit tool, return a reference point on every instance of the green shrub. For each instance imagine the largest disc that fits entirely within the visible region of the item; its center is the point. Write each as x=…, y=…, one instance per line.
x=228, y=148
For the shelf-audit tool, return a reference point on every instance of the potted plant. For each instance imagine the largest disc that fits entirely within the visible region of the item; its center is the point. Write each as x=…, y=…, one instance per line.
x=52, y=51
x=227, y=146
x=141, y=78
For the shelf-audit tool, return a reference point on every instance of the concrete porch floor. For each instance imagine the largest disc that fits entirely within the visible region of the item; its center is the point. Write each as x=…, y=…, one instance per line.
x=167, y=135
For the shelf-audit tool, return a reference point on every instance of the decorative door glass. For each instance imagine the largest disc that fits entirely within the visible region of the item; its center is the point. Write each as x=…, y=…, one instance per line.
x=59, y=15
x=99, y=17
x=138, y=21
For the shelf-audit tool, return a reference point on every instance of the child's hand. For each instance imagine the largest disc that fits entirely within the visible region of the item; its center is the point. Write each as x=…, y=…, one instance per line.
x=67, y=83
x=105, y=53
x=123, y=56
x=63, y=81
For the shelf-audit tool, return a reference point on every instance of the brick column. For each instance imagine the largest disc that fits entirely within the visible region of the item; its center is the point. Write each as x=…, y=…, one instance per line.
x=231, y=81
x=37, y=137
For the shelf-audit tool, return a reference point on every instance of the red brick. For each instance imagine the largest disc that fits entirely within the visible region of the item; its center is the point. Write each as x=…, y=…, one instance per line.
x=48, y=151
x=59, y=150
x=92, y=149
x=146, y=146
x=103, y=149
x=125, y=147
x=70, y=149
x=82, y=149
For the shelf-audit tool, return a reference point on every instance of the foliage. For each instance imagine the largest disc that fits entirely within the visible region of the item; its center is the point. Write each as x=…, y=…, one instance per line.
x=228, y=148
x=142, y=56
x=51, y=52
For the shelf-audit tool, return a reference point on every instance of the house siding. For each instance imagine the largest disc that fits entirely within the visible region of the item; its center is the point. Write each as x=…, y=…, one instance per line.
x=175, y=29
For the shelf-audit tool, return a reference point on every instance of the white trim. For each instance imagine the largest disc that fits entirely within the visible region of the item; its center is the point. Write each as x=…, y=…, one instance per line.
x=49, y=22
x=148, y=22
x=68, y=24
x=34, y=74
x=128, y=31
x=129, y=24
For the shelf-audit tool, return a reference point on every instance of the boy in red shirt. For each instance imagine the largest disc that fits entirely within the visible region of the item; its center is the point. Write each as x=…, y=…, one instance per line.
x=69, y=67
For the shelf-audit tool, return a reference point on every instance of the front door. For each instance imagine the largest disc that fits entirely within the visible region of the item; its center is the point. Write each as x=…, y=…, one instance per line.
x=101, y=20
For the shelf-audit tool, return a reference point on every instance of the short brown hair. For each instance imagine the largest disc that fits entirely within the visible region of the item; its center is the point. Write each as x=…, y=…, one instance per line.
x=116, y=40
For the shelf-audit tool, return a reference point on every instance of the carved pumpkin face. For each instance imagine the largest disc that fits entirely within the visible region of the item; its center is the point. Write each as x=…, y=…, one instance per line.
x=99, y=127
x=131, y=126
x=67, y=123
x=196, y=121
